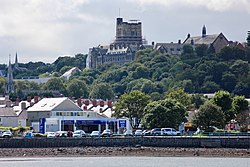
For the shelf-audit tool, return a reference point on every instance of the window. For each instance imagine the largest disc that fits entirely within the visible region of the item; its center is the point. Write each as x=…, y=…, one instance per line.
x=0, y=120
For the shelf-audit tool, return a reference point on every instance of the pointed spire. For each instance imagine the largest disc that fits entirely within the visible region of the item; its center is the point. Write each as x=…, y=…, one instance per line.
x=9, y=82
x=16, y=63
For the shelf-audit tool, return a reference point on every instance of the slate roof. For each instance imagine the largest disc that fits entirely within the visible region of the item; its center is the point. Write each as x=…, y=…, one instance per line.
x=47, y=104
x=208, y=39
x=7, y=112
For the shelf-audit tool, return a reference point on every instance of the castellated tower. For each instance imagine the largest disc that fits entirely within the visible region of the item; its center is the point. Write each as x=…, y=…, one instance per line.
x=128, y=33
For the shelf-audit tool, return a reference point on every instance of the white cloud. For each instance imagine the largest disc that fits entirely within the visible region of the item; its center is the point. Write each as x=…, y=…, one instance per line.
x=215, y=5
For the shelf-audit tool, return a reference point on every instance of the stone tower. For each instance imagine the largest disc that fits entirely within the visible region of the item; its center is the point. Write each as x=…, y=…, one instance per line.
x=9, y=82
x=204, y=31
x=128, y=33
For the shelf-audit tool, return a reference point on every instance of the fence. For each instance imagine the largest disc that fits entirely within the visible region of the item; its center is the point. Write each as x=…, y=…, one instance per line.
x=213, y=142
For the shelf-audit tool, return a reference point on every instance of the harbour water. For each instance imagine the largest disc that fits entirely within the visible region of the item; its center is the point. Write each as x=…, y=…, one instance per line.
x=125, y=162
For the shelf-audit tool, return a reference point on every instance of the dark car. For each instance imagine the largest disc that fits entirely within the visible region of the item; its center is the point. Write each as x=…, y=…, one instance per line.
x=156, y=132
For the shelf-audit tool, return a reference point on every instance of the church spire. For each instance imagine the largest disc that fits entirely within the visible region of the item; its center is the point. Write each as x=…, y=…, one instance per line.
x=16, y=63
x=9, y=82
x=204, y=31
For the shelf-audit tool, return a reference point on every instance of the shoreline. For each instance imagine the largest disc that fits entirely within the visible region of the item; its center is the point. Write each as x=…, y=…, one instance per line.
x=123, y=152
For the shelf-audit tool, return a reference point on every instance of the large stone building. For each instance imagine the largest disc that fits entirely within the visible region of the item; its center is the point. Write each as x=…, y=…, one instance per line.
x=122, y=50
x=216, y=41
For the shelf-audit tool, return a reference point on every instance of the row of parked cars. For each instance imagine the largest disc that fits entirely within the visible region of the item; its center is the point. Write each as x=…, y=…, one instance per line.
x=76, y=134
x=153, y=132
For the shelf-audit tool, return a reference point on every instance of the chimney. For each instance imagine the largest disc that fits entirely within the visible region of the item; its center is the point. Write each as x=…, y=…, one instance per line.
x=23, y=105
x=79, y=102
x=110, y=103
x=29, y=98
x=86, y=102
x=36, y=99
x=8, y=103
x=192, y=41
x=17, y=101
x=179, y=41
x=153, y=43
x=84, y=107
x=102, y=103
x=94, y=102
x=188, y=36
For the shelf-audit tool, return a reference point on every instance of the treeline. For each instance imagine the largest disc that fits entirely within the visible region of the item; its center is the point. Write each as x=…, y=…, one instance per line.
x=196, y=70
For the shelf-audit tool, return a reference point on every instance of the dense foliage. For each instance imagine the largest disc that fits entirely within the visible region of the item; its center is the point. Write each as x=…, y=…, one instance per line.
x=197, y=70
x=164, y=113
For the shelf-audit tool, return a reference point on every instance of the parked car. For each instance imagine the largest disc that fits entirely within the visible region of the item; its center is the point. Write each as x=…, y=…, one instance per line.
x=50, y=134
x=79, y=134
x=107, y=133
x=156, y=132
x=28, y=135
x=128, y=133
x=146, y=133
x=170, y=132
x=6, y=134
x=138, y=132
x=61, y=134
x=95, y=134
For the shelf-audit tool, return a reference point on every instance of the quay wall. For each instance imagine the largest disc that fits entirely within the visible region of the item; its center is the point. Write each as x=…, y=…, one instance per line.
x=192, y=142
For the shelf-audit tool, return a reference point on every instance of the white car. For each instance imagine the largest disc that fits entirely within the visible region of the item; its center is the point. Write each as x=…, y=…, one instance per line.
x=61, y=134
x=128, y=133
x=95, y=134
x=79, y=134
x=50, y=134
x=170, y=132
x=138, y=132
x=107, y=133
x=6, y=134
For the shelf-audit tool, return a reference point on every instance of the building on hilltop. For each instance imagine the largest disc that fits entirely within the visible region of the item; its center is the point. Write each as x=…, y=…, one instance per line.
x=122, y=50
x=217, y=41
x=128, y=33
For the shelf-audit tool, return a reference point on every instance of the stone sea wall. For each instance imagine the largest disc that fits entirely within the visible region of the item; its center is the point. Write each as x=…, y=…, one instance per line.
x=185, y=142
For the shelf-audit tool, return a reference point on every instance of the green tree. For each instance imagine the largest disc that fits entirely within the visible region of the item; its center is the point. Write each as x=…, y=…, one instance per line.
x=164, y=113
x=102, y=91
x=239, y=104
x=64, y=69
x=131, y=105
x=77, y=88
x=209, y=115
x=224, y=100
x=248, y=38
x=55, y=84
x=2, y=83
x=201, y=50
x=197, y=100
x=179, y=95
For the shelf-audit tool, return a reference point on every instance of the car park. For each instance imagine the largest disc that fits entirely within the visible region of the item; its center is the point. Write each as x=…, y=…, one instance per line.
x=79, y=134
x=95, y=134
x=138, y=132
x=50, y=134
x=156, y=132
x=6, y=134
x=170, y=132
x=106, y=133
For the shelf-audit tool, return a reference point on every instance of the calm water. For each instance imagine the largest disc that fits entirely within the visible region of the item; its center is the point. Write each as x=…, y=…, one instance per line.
x=125, y=161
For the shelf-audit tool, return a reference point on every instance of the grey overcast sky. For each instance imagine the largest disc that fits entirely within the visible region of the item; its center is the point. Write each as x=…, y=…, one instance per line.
x=43, y=30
